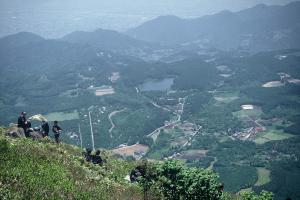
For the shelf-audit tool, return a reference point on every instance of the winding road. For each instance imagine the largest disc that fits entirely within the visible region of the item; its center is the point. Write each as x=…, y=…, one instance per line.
x=154, y=134
x=111, y=121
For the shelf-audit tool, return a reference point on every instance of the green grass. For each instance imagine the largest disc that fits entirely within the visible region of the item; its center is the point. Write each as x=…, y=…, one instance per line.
x=224, y=139
x=226, y=97
x=263, y=176
x=44, y=170
x=62, y=116
x=245, y=190
x=236, y=177
x=174, y=132
x=272, y=135
x=254, y=113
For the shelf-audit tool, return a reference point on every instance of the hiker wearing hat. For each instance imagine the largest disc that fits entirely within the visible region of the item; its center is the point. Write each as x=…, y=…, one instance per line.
x=56, y=130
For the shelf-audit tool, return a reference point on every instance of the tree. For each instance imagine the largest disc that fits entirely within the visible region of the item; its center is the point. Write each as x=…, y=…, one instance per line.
x=148, y=176
x=146, y=141
x=180, y=182
x=175, y=181
x=264, y=195
x=170, y=178
x=201, y=184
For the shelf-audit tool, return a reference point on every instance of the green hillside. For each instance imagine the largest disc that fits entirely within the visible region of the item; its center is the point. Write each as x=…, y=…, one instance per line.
x=44, y=170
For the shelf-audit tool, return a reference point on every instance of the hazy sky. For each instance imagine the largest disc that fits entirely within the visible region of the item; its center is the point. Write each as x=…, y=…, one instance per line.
x=149, y=7
x=54, y=18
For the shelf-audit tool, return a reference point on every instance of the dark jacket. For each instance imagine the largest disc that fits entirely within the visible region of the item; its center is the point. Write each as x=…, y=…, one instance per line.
x=28, y=124
x=96, y=159
x=88, y=157
x=56, y=129
x=45, y=127
x=22, y=122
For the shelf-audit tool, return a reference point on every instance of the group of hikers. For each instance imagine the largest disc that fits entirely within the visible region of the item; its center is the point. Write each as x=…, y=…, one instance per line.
x=44, y=129
x=25, y=124
x=95, y=159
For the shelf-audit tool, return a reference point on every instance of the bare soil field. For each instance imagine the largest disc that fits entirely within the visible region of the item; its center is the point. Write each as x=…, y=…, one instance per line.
x=131, y=150
x=104, y=91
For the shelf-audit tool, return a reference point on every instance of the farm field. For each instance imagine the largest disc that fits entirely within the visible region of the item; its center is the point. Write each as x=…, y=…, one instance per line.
x=263, y=176
x=62, y=116
x=272, y=135
x=253, y=113
x=226, y=97
x=104, y=90
x=136, y=150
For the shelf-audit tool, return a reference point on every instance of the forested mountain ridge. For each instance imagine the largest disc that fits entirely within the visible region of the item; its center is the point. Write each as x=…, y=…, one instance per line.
x=255, y=29
x=107, y=40
x=19, y=39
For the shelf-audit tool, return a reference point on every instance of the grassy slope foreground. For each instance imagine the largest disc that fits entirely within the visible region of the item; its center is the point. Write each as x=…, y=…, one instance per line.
x=43, y=170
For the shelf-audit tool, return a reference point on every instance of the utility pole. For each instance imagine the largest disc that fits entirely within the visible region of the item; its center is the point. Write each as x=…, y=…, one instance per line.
x=80, y=136
x=92, y=133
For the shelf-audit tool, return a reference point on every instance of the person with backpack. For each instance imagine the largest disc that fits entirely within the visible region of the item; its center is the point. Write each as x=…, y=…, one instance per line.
x=45, y=128
x=56, y=130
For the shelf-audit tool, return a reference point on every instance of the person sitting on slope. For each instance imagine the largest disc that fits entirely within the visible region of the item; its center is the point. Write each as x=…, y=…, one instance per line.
x=96, y=159
x=87, y=155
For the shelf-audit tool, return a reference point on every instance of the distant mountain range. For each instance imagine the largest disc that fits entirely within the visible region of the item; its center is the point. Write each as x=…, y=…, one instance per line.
x=106, y=39
x=256, y=29
x=27, y=51
x=261, y=28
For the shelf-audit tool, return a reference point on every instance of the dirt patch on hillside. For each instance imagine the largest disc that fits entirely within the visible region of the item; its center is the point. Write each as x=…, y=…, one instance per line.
x=135, y=150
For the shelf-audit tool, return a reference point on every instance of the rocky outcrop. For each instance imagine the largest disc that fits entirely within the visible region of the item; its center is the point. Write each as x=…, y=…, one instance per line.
x=14, y=131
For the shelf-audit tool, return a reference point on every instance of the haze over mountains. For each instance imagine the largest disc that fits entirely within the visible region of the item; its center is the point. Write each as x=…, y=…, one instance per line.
x=55, y=18
x=219, y=91
x=259, y=28
x=255, y=29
